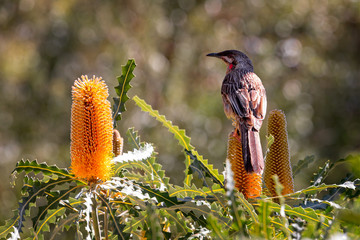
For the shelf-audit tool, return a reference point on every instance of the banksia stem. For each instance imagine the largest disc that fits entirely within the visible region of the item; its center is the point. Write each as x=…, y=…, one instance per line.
x=247, y=183
x=91, y=130
x=278, y=157
x=118, y=143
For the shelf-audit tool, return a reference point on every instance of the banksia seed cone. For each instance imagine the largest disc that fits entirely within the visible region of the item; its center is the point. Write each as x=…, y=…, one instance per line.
x=248, y=184
x=278, y=157
x=91, y=130
x=118, y=143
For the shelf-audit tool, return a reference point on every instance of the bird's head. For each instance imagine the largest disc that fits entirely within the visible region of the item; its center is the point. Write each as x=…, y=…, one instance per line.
x=234, y=60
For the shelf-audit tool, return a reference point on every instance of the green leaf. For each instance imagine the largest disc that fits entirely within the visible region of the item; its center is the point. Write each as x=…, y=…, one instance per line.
x=204, y=170
x=8, y=227
x=161, y=196
x=184, y=141
x=199, y=211
x=195, y=192
x=122, y=89
x=177, y=223
x=53, y=198
x=322, y=173
x=51, y=217
x=301, y=164
x=307, y=214
x=311, y=190
x=114, y=219
x=37, y=190
x=354, y=164
x=33, y=166
x=133, y=138
x=264, y=218
x=179, y=134
x=153, y=171
x=153, y=224
x=217, y=229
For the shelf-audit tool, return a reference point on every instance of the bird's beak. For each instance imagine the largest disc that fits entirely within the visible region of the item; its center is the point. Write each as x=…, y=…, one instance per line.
x=213, y=55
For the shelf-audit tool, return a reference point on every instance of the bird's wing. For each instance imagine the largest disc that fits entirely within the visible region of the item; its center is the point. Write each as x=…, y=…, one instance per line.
x=247, y=97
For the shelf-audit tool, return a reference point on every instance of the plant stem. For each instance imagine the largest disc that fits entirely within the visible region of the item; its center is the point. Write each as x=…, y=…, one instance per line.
x=106, y=224
x=95, y=218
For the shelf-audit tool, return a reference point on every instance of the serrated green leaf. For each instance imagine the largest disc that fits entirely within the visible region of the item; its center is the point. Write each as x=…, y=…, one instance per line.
x=316, y=189
x=307, y=214
x=184, y=141
x=8, y=227
x=53, y=199
x=33, y=166
x=194, y=192
x=322, y=173
x=51, y=217
x=161, y=196
x=199, y=211
x=114, y=219
x=122, y=89
x=177, y=223
x=37, y=190
x=204, y=170
x=264, y=218
x=154, y=230
x=217, y=229
x=301, y=164
x=133, y=138
x=179, y=134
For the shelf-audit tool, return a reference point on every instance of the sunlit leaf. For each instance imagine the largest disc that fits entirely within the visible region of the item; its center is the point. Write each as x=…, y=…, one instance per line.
x=301, y=164
x=122, y=89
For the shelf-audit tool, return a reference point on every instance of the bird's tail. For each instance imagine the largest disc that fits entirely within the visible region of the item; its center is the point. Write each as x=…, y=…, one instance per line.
x=252, y=151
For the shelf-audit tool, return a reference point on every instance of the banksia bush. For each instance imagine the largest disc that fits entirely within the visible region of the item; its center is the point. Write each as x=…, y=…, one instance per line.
x=91, y=130
x=247, y=183
x=278, y=157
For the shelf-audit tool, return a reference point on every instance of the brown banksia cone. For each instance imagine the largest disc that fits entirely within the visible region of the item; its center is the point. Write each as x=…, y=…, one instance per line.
x=248, y=184
x=278, y=158
x=118, y=143
x=91, y=130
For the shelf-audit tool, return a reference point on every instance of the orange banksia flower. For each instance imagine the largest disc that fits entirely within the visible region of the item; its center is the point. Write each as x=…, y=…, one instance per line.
x=248, y=184
x=278, y=157
x=91, y=130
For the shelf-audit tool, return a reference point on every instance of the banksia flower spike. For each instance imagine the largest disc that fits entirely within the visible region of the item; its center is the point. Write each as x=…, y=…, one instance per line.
x=248, y=184
x=91, y=130
x=278, y=157
x=118, y=143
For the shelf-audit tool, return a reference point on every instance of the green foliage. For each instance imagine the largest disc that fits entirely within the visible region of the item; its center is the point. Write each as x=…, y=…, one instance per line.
x=122, y=89
x=140, y=202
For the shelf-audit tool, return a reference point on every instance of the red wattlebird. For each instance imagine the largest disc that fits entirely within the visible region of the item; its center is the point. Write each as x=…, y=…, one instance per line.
x=244, y=100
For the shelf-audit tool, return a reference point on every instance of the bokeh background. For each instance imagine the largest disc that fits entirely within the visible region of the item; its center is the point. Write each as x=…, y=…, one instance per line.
x=306, y=52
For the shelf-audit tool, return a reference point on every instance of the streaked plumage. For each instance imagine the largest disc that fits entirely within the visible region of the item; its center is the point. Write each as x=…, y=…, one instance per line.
x=244, y=99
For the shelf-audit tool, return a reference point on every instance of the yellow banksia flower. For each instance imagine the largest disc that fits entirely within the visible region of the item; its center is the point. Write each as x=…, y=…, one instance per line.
x=91, y=130
x=278, y=157
x=248, y=184
x=118, y=143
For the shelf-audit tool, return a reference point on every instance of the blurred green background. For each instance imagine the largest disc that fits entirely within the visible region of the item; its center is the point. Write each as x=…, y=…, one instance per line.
x=306, y=52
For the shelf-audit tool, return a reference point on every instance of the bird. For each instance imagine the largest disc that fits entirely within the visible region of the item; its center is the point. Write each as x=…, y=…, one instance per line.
x=244, y=100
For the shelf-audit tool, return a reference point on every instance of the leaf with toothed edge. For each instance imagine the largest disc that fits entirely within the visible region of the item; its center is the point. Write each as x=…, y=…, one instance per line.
x=205, y=170
x=33, y=166
x=114, y=219
x=301, y=164
x=179, y=134
x=122, y=89
x=184, y=141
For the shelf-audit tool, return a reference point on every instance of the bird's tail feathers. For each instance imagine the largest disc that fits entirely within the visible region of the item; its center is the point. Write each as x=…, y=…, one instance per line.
x=245, y=149
x=257, y=159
